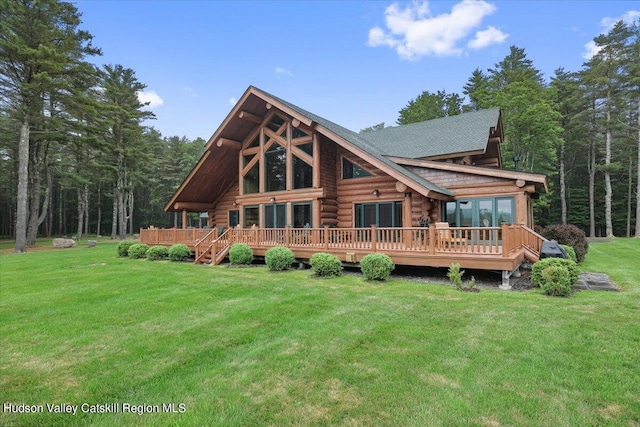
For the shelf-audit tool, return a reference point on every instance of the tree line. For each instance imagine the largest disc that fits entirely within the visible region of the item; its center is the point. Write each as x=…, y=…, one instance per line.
x=75, y=157
x=581, y=129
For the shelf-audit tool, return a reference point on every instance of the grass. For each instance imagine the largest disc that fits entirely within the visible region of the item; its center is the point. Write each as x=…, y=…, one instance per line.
x=249, y=347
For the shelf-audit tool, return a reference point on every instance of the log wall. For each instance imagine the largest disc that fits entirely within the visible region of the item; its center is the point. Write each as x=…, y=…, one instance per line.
x=224, y=205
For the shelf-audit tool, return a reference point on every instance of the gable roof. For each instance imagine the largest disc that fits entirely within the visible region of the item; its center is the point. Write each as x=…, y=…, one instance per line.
x=461, y=134
x=359, y=141
x=217, y=170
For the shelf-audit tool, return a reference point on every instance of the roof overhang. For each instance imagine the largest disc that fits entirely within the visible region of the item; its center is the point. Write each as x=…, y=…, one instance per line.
x=540, y=181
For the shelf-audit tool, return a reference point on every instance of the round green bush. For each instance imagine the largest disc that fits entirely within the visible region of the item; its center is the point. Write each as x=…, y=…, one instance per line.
x=540, y=266
x=571, y=252
x=123, y=247
x=156, y=253
x=376, y=266
x=325, y=265
x=568, y=234
x=139, y=250
x=279, y=258
x=179, y=252
x=556, y=281
x=240, y=253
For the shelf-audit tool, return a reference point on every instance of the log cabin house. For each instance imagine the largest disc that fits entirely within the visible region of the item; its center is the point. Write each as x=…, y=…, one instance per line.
x=428, y=194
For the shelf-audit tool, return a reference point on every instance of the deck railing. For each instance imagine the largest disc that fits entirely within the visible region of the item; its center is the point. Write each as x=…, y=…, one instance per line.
x=460, y=240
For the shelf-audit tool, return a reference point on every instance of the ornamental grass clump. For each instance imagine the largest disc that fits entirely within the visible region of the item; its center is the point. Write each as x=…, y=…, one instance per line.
x=240, y=254
x=279, y=258
x=138, y=251
x=158, y=252
x=179, y=252
x=377, y=267
x=123, y=247
x=325, y=265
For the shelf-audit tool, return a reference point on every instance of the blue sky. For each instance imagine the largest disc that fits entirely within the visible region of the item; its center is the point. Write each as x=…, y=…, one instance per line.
x=356, y=63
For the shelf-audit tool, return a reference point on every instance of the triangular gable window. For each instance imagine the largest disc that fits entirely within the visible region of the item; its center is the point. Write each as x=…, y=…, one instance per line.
x=351, y=170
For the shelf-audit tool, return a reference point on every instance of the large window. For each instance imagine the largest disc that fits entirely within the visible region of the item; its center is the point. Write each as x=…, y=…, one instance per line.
x=301, y=215
x=490, y=212
x=251, y=183
x=234, y=218
x=282, y=142
x=351, y=170
x=302, y=174
x=251, y=216
x=275, y=215
x=275, y=171
x=382, y=214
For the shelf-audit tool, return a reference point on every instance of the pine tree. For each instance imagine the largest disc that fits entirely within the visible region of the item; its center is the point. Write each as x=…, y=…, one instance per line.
x=40, y=47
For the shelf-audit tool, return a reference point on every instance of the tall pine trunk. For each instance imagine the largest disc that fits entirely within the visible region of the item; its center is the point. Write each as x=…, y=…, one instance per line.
x=99, y=212
x=638, y=179
x=114, y=222
x=607, y=177
x=563, y=191
x=23, y=188
x=592, y=185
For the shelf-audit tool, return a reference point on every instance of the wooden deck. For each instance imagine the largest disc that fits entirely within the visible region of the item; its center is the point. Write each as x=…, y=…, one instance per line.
x=488, y=248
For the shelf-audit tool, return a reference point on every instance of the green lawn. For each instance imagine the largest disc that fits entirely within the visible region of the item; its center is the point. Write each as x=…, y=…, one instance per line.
x=249, y=347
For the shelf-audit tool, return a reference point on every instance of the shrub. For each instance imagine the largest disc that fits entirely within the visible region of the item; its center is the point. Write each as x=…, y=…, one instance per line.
x=325, y=265
x=568, y=234
x=157, y=252
x=240, y=253
x=179, y=252
x=571, y=252
x=139, y=250
x=556, y=281
x=279, y=258
x=123, y=247
x=376, y=266
x=455, y=275
x=540, y=266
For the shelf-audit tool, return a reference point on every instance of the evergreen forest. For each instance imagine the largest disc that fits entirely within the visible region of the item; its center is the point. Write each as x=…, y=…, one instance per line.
x=78, y=156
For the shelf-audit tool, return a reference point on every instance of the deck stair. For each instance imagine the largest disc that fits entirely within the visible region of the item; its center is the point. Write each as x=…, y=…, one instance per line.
x=212, y=249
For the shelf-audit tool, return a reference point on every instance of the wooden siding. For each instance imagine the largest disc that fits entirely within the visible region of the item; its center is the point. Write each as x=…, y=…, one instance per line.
x=224, y=205
x=449, y=179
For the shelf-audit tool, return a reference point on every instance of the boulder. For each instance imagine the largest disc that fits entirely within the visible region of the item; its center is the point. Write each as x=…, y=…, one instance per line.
x=64, y=243
x=92, y=243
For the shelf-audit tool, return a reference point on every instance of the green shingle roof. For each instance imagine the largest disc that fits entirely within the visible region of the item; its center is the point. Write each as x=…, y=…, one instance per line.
x=455, y=134
x=448, y=135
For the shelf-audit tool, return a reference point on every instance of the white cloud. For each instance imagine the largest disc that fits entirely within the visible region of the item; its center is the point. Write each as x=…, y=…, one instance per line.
x=590, y=49
x=414, y=32
x=151, y=97
x=607, y=23
x=233, y=101
x=487, y=37
x=280, y=70
x=629, y=18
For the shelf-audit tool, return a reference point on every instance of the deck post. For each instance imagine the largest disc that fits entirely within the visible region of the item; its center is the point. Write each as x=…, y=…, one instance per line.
x=326, y=237
x=287, y=236
x=373, y=238
x=506, y=242
x=184, y=219
x=432, y=239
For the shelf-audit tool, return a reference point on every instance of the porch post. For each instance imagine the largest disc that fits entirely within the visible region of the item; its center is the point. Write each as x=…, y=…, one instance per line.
x=287, y=238
x=326, y=237
x=373, y=238
x=184, y=219
x=506, y=240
